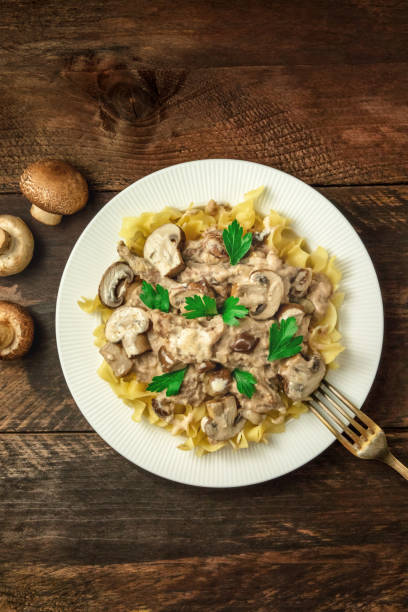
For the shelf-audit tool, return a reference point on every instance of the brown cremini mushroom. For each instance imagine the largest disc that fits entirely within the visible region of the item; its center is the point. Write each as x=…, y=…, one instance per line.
x=244, y=343
x=16, y=331
x=162, y=249
x=16, y=245
x=113, y=285
x=54, y=188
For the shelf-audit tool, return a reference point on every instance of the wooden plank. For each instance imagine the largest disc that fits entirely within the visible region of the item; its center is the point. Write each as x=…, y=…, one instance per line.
x=38, y=399
x=117, y=119
x=220, y=34
x=83, y=529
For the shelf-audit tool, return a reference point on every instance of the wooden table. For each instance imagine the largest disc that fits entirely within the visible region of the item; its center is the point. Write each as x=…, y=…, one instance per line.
x=318, y=89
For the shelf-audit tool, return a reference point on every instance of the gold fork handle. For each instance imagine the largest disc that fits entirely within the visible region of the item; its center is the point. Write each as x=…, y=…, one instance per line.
x=393, y=462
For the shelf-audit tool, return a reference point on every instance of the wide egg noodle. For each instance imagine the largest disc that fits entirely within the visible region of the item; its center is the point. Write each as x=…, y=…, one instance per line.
x=324, y=335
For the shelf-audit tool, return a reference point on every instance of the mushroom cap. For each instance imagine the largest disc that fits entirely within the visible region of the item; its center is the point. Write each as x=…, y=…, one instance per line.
x=19, y=250
x=22, y=324
x=55, y=186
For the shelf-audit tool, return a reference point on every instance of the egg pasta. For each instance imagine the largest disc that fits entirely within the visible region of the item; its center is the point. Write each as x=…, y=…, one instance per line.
x=324, y=334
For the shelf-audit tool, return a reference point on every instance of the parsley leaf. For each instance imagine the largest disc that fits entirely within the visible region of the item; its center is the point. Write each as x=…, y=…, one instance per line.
x=155, y=298
x=170, y=381
x=236, y=244
x=200, y=306
x=231, y=311
x=282, y=340
x=245, y=382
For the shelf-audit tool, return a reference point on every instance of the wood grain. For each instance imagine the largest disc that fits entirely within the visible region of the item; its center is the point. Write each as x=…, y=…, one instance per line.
x=118, y=119
x=83, y=529
x=215, y=33
x=38, y=399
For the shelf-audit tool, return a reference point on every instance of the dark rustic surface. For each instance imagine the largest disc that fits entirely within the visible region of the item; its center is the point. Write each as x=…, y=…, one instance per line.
x=317, y=89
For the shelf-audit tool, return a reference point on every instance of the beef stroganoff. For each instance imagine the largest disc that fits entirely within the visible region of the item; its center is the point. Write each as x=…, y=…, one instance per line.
x=217, y=323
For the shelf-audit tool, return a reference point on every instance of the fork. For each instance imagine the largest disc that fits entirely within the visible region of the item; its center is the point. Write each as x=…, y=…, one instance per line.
x=362, y=437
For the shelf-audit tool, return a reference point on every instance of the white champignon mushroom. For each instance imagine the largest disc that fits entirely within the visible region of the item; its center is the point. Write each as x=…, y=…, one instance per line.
x=127, y=324
x=261, y=294
x=162, y=249
x=16, y=245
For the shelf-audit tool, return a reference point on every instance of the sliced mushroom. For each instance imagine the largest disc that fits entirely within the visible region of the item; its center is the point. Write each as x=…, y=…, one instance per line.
x=300, y=284
x=302, y=375
x=262, y=294
x=126, y=324
x=167, y=361
x=291, y=310
x=178, y=295
x=265, y=400
x=113, y=285
x=225, y=420
x=54, y=188
x=244, y=343
x=143, y=269
x=205, y=366
x=298, y=312
x=162, y=249
x=16, y=245
x=16, y=331
x=116, y=357
x=218, y=382
x=163, y=408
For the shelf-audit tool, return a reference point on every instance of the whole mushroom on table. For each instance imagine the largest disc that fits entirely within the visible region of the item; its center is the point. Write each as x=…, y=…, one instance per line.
x=16, y=331
x=54, y=188
x=16, y=245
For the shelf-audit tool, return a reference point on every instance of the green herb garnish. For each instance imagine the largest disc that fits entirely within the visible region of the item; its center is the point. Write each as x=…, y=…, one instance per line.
x=205, y=306
x=200, y=306
x=236, y=243
x=282, y=340
x=170, y=381
x=245, y=382
x=231, y=311
x=155, y=298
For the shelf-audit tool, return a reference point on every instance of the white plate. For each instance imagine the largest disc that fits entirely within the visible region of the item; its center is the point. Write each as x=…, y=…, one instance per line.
x=315, y=218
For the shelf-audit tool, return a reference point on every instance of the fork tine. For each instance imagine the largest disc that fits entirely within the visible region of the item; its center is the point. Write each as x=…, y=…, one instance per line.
x=335, y=418
x=340, y=408
x=334, y=431
x=363, y=417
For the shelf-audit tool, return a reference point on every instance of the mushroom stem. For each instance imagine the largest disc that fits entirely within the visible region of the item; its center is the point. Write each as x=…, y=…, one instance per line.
x=45, y=217
x=6, y=335
x=5, y=240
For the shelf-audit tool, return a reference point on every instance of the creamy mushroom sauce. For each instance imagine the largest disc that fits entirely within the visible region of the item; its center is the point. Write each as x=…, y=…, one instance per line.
x=269, y=288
